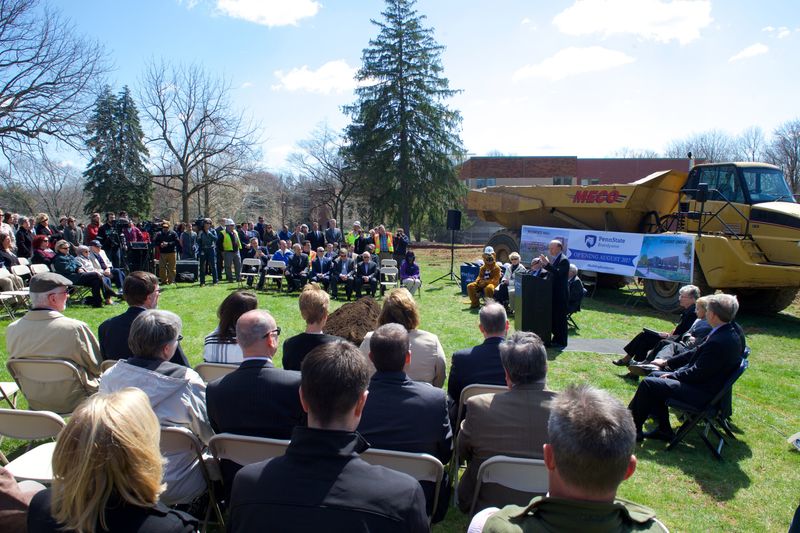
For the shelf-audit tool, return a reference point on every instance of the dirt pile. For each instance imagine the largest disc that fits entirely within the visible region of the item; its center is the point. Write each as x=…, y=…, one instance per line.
x=354, y=320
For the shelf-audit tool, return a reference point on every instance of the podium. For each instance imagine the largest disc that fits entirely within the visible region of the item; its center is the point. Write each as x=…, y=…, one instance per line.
x=533, y=306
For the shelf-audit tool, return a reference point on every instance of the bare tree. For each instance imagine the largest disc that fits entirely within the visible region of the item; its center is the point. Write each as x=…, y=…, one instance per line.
x=198, y=139
x=750, y=145
x=627, y=152
x=48, y=78
x=784, y=151
x=320, y=162
x=41, y=184
x=711, y=145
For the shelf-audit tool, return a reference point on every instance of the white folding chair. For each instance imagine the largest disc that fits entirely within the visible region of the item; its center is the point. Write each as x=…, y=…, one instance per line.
x=7, y=302
x=244, y=450
x=388, y=263
x=39, y=268
x=211, y=371
x=176, y=440
x=5, y=273
x=388, y=277
x=420, y=466
x=8, y=393
x=65, y=383
x=36, y=463
x=523, y=475
x=21, y=270
x=247, y=265
x=276, y=278
x=23, y=261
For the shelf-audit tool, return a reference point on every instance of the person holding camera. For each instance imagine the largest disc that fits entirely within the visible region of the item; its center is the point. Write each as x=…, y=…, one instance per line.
x=400, y=246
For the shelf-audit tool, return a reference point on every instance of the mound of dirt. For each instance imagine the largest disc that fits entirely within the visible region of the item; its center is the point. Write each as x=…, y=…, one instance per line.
x=354, y=320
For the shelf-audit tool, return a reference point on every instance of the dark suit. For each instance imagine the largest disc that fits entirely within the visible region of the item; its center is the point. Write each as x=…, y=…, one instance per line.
x=297, y=271
x=558, y=270
x=511, y=423
x=645, y=341
x=113, y=337
x=370, y=270
x=336, y=273
x=699, y=374
x=576, y=293
x=320, y=271
x=334, y=236
x=322, y=485
x=409, y=416
x=480, y=364
x=316, y=238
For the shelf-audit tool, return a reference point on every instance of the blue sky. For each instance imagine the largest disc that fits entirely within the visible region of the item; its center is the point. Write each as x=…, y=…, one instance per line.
x=583, y=77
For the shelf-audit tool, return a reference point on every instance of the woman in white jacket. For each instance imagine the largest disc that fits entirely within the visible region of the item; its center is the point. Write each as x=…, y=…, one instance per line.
x=504, y=293
x=177, y=395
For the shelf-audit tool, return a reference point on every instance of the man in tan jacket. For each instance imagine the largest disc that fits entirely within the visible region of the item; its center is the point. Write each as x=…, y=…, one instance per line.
x=511, y=423
x=45, y=333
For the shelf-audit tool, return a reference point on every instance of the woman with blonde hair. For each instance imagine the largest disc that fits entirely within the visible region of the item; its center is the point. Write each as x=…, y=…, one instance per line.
x=107, y=470
x=427, y=355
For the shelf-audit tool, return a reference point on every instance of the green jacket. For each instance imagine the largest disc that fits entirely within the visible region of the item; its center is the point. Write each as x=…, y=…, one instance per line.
x=545, y=514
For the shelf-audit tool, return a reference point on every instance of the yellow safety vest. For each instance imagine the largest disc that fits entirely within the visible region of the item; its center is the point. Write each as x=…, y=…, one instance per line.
x=388, y=242
x=227, y=242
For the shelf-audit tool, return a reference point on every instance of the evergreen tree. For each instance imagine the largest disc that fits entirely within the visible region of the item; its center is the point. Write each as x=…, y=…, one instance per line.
x=403, y=138
x=116, y=177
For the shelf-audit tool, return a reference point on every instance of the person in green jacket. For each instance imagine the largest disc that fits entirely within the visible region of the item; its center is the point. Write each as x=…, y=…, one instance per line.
x=589, y=454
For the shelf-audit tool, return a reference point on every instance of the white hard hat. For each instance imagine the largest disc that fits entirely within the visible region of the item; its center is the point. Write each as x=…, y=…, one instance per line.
x=357, y=223
x=488, y=250
x=229, y=222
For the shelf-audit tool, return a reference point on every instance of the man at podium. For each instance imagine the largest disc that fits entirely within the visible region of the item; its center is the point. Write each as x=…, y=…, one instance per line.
x=556, y=266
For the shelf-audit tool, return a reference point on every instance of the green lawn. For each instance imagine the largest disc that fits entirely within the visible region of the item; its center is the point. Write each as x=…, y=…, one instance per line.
x=753, y=489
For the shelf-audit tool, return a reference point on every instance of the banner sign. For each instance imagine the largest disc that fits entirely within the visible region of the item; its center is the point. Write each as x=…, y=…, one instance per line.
x=662, y=256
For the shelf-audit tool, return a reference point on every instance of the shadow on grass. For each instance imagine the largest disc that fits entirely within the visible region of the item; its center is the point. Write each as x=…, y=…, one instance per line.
x=721, y=480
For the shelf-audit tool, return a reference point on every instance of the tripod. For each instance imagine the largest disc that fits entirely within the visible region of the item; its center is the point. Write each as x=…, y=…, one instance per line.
x=450, y=275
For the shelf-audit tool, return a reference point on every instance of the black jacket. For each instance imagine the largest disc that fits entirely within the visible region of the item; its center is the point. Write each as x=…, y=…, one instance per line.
x=480, y=364
x=688, y=316
x=576, y=293
x=336, y=269
x=24, y=243
x=322, y=485
x=296, y=348
x=316, y=238
x=559, y=272
x=113, y=337
x=298, y=264
x=371, y=270
x=709, y=365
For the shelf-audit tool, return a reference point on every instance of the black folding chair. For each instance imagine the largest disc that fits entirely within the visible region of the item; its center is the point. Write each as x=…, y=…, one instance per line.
x=710, y=414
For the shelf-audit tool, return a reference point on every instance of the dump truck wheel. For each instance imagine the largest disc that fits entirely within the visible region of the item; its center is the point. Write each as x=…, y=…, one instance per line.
x=504, y=242
x=766, y=301
x=663, y=295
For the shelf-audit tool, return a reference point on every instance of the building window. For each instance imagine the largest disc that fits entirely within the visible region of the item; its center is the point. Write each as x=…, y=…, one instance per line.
x=590, y=181
x=484, y=182
x=562, y=180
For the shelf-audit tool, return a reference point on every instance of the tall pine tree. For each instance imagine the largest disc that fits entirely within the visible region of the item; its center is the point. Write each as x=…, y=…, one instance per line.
x=116, y=177
x=403, y=138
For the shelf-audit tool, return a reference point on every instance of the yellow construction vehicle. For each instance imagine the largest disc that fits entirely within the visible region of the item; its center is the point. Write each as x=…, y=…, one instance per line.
x=745, y=220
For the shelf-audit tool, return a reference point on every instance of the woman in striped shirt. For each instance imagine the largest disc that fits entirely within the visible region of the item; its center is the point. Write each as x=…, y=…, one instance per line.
x=220, y=345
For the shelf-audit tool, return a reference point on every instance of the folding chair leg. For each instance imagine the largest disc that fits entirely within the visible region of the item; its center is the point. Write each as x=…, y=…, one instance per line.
x=724, y=423
x=716, y=450
x=684, y=430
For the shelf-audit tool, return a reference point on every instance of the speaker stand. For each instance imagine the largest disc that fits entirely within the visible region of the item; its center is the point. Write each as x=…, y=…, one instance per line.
x=451, y=276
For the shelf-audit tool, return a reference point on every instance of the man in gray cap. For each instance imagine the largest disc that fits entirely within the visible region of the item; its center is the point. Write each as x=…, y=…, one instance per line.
x=45, y=333
x=230, y=245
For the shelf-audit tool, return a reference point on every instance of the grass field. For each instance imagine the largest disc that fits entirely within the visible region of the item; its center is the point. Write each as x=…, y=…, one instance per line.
x=755, y=488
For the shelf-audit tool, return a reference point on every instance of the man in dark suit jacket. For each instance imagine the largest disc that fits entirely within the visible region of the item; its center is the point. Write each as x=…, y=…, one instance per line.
x=321, y=269
x=141, y=291
x=256, y=399
x=480, y=364
x=321, y=484
x=342, y=273
x=333, y=235
x=297, y=269
x=694, y=376
x=512, y=423
x=316, y=237
x=556, y=266
x=405, y=415
x=366, y=275
x=576, y=290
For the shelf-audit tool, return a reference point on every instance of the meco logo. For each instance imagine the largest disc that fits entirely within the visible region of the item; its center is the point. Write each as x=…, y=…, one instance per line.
x=597, y=197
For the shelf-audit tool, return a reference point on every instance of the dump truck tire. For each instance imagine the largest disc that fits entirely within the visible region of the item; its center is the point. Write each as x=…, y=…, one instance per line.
x=504, y=242
x=766, y=301
x=663, y=295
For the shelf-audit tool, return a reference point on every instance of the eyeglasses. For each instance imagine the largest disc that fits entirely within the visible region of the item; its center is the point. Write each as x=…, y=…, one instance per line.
x=276, y=331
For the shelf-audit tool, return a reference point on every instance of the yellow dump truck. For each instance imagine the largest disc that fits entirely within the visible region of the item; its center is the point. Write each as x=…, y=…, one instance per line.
x=744, y=218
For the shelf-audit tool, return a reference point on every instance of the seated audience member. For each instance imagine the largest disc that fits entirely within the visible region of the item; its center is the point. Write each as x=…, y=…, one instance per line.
x=694, y=376
x=296, y=269
x=366, y=275
x=309, y=251
x=409, y=273
x=82, y=256
x=69, y=267
x=321, y=484
x=313, y=304
x=576, y=290
x=487, y=280
x=14, y=501
x=254, y=251
x=321, y=269
x=24, y=238
x=102, y=263
x=177, y=395
x=256, y=399
x=402, y=414
x=107, y=470
x=427, y=355
x=44, y=333
x=342, y=273
x=141, y=291
x=645, y=341
x=480, y=364
x=513, y=423
x=588, y=455
x=220, y=345
x=11, y=282
x=504, y=293
x=42, y=254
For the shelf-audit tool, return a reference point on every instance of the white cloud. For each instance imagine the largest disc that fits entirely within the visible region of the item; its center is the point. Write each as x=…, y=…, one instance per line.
x=269, y=12
x=525, y=21
x=751, y=51
x=658, y=20
x=572, y=61
x=783, y=31
x=246, y=85
x=333, y=76
x=768, y=29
